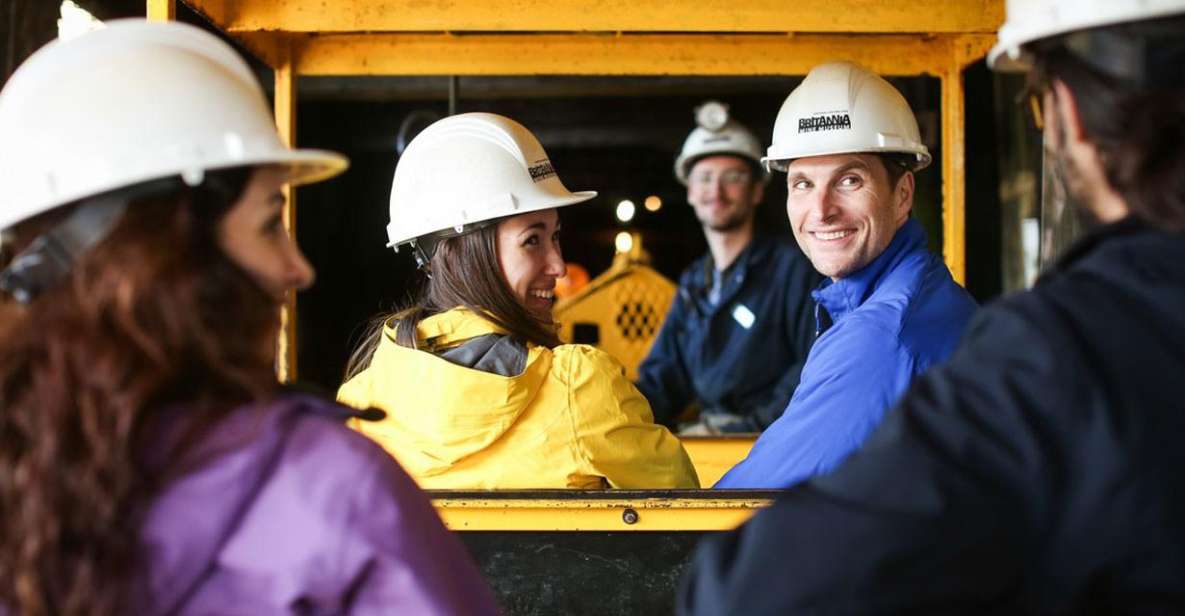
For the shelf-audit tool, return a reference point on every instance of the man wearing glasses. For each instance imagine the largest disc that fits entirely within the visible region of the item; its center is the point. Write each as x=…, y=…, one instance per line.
x=735, y=338
x=849, y=145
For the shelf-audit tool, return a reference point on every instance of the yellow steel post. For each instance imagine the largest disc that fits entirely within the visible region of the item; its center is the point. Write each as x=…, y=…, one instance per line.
x=954, y=169
x=161, y=10
x=964, y=50
x=285, y=107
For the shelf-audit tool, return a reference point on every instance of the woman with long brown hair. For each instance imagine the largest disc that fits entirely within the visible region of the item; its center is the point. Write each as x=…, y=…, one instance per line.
x=478, y=390
x=149, y=462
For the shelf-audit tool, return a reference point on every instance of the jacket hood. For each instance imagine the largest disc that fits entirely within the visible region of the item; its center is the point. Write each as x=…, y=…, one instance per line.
x=446, y=412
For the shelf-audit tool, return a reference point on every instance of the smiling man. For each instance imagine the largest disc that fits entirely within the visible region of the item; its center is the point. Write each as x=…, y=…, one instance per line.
x=735, y=339
x=889, y=308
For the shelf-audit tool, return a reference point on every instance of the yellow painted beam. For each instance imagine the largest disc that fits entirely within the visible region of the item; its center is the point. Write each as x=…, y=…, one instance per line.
x=963, y=51
x=915, y=16
x=285, y=108
x=713, y=456
x=576, y=514
x=600, y=54
x=161, y=10
x=954, y=172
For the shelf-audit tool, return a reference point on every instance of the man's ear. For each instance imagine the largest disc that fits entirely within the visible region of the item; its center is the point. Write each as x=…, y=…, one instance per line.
x=1065, y=106
x=903, y=194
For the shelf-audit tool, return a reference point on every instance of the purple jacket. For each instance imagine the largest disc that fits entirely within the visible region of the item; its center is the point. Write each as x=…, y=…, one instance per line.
x=293, y=512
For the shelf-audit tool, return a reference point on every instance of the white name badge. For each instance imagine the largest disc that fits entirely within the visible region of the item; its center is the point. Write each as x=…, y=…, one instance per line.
x=744, y=316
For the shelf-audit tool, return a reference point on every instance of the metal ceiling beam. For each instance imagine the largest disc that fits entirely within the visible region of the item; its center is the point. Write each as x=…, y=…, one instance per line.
x=847, y=16
x=600, y=54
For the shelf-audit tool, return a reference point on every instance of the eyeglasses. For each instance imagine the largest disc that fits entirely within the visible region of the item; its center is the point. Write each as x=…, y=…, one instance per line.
x=732, y=177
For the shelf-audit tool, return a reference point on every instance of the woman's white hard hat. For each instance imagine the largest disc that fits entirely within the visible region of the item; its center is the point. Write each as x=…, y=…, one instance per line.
x=132, y=102
x=469, y=169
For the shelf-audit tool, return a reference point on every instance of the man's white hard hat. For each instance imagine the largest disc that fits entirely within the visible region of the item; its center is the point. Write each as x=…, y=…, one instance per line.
x=843, y=108
x=1029, y=21
x=716, y=134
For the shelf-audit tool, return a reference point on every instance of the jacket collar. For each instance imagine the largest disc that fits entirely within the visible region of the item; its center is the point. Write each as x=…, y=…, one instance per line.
x=1091, y=241
x=449, y=327
x=842, y=296
x=758, y=250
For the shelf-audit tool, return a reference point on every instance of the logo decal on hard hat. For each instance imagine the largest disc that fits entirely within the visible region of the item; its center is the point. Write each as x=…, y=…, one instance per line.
x=541, y=171
x=822, y=121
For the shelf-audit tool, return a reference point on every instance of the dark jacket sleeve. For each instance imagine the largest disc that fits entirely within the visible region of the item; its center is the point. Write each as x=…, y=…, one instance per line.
x=934, y=514
x=799, y=332
x=662, y=376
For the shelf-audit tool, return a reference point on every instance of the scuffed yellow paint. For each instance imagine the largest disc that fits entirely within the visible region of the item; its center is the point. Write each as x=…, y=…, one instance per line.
x=916, y=16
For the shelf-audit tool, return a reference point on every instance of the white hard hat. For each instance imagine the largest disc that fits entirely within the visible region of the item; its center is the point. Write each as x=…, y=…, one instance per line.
x=468, y=169
x=1027, y=21
x=716, y=134
x=843, y=108
x=133, y=102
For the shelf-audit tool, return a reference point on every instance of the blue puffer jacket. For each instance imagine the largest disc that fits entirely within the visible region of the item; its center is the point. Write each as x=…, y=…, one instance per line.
x=892, y=320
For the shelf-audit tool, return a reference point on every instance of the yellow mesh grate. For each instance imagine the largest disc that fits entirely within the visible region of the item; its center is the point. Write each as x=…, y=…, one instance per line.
x=620, y=312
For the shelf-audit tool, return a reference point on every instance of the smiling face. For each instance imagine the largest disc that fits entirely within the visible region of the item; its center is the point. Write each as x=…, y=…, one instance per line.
x=531, y=261
x=843, y=211
x=252, y=234
x=724, y=192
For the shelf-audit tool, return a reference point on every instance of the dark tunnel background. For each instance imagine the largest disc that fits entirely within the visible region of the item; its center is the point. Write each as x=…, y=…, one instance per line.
x=618, y=136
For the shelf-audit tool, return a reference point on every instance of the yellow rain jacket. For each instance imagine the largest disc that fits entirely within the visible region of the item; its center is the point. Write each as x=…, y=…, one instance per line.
x=570, y=419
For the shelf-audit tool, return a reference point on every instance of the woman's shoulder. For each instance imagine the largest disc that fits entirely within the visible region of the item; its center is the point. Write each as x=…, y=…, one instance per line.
x=328, y=469
x=315, y=428
x=298, y=439
x=586, y=357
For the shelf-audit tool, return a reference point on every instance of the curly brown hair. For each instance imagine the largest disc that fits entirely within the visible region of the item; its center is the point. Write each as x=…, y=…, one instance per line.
x=154, y=318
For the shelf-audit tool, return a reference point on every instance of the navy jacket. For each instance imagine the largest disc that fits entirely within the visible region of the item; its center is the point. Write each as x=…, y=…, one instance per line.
x=743, y=355
x=893, y=319
x=1038, y=471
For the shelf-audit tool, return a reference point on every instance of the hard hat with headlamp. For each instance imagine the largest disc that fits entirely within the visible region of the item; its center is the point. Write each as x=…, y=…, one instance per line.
x=716, y=134
x=843, y=108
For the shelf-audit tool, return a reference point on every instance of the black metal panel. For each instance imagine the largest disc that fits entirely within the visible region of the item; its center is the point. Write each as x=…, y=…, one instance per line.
x=601, y=573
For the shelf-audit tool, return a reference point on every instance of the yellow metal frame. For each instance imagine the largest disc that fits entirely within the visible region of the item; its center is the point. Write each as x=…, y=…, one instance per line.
x=617, y=37
x=161, y=10
x=712, y=456
x=609, y=510
x=865, y=16
x=582, y=511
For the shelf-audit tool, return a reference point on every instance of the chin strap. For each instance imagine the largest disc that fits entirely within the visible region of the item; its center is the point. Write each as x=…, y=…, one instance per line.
x=424, y=247
x=51, y=256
